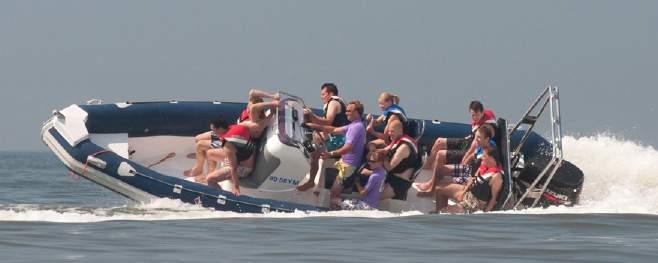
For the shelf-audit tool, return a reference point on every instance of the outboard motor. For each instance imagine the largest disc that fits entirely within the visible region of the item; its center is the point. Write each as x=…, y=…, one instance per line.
x=564, y=188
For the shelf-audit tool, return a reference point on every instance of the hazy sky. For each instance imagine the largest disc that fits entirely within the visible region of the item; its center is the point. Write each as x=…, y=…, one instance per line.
x=437, y=55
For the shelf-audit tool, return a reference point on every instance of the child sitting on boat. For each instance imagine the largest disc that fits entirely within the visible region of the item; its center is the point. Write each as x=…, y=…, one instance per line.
x=480, y=192
x=371, y=193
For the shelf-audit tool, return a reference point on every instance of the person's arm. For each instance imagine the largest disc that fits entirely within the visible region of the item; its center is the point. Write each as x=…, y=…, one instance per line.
x=255, y=109
x=470, y=154
x=380, y=119
x=233, y=164
x=254, y=93
x=332, y=110
x=467, y=187
x=312, y=118
x=362, y=191
x=496, y=184
x=326, y=128
x=401, y=153
x=347, y=147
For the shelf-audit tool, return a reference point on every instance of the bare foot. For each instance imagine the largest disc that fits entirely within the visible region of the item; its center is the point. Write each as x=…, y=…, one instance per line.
x=193, y=172
x=422, y=187
x=200, y=179
x=308, y=185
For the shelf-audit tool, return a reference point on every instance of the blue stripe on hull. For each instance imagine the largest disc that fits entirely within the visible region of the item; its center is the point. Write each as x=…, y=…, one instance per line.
x=162, y=186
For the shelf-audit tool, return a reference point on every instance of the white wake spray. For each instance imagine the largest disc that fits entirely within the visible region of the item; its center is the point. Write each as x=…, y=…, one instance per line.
x=620, y=176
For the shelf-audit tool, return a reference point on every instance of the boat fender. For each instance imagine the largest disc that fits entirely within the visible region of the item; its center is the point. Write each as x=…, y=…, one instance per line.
x=125, y=169
x=265, y=208
x=95, y=161
x=221, y=199
x=178, y=188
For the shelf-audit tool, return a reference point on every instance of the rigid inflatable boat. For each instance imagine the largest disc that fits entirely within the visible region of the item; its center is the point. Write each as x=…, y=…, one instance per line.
x=141, y=149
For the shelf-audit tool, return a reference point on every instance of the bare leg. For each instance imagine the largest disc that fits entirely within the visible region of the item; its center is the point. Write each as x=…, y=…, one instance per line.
x=443, y=193
x=334, y=195
x=217, y=155
x=201, y=149
x=454, y=209
x=387, y=193
x=437, y=171
x=228, y=153
x=212, y=165
x=212, y=179
x=315, y=158
x=439, y=145
x=206, y=136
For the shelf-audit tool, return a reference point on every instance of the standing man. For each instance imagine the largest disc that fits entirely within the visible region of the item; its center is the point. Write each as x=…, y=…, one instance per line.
x=334, y=116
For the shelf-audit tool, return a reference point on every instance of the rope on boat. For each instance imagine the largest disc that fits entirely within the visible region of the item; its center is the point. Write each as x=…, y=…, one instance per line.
x=84, y=170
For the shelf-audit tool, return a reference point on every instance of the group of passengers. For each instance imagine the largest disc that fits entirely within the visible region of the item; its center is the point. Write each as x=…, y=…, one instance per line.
x=466, y=170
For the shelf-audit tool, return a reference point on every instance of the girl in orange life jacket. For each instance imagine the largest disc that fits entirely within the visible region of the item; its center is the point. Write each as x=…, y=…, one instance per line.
x=480, y=193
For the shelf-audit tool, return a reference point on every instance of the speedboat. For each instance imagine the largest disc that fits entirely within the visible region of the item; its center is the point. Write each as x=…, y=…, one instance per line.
x=141, y=150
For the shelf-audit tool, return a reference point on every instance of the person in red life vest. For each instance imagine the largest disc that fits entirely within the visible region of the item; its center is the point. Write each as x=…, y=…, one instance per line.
x=208, y=140
x=480, y=192
x=402, y=159
x=456, y=150
x=238, y=149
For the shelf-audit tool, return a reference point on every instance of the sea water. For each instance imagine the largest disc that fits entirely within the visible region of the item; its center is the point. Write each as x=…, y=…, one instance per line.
x=48, y=215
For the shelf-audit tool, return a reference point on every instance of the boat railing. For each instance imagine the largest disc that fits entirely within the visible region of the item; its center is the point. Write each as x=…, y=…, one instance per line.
x=548, y=97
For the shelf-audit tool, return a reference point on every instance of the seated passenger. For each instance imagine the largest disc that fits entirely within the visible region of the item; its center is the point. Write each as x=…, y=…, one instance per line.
x=480, y=193
x=453, y=150
x=235, y=148
x=392, y=113
x=351, y=152
x=372, y=192
x=238, y=143
x=402, y=159
x=460, y=172
x=335, y=116
x=205, y=140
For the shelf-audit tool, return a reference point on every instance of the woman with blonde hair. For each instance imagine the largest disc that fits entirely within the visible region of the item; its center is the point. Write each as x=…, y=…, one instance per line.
x=391, y=113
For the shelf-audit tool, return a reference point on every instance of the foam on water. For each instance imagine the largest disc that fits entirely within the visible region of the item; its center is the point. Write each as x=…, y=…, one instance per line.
x=619, y=178
x=160, y=209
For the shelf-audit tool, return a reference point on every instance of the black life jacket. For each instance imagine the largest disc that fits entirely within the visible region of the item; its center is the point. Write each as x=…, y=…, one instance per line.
x=340, y=119
x=414, y=160
x=481, y=188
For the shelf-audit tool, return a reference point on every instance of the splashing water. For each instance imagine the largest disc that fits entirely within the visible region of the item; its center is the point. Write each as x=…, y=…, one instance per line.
x=160, y=209
x=618, y=179
x=619, y=176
